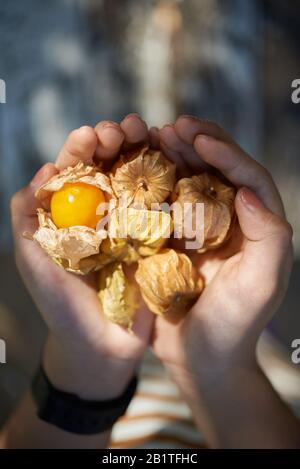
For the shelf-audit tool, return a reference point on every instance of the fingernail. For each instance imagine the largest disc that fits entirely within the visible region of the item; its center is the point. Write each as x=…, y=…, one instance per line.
x=249, y=199
x=168, y=125
x=110, y=125
x=109, y=128
x=188, y=116
x=85, y=128
x=87, y=135
x=111, y=140
x=203, y=139
x=133, y=114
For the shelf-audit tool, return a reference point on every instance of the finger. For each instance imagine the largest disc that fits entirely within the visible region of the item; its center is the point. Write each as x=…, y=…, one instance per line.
x=240, y=169
x=24, y=204
x=187, y=152
x=267, y=253
x=110, y=139
x=154, y=138
x=175, y=157
x=79, y=146
x=188, y=127
x=135, y=130
x=173, y=154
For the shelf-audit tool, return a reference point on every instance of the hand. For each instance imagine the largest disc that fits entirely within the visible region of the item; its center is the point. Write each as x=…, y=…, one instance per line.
x=85, y=353
x=245, y=280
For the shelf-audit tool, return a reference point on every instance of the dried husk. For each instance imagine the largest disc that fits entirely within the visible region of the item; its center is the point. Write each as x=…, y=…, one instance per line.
x=166, y=278
x=118, y=297
x=136, y=233
x=76, y=249
x=218, y=200
x=90, y=174
x=168, y=282
x=146, y=179
x=120, y=249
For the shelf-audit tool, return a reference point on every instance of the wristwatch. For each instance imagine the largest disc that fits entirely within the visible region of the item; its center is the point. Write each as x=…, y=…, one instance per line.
x=72, y=414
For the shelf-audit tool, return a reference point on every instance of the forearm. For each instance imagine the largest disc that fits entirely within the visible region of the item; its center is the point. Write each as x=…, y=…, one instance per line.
x=26, y=430
x=73, y=374
x=239, y=409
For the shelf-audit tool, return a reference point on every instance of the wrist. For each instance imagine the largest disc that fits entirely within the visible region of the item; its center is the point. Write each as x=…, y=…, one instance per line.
x=89, y=376
x=196, y=382
x=229, y=370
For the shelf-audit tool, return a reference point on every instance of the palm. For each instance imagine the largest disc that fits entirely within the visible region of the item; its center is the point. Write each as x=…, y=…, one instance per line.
x=233, y=304
x=219, y=270
x=70, y=305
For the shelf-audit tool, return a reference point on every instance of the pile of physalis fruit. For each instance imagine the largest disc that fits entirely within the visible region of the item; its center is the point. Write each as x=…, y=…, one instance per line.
x=71, y=233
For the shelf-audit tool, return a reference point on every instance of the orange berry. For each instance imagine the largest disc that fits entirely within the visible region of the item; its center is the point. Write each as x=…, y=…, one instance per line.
x=75, y=204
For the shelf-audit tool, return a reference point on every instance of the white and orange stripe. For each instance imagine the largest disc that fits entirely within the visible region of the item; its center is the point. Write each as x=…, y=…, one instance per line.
x=157, y=416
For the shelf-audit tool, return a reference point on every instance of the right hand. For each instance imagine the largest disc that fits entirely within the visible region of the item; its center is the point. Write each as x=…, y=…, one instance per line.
x=245, y=280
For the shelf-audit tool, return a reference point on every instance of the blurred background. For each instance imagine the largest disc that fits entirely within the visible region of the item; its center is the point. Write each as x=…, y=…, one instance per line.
x=72, y=62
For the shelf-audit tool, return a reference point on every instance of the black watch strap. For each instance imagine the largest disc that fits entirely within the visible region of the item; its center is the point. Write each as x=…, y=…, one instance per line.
x=72, y=414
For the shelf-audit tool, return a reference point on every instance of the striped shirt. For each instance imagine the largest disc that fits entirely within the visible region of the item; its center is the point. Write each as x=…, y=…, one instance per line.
x=158, y=417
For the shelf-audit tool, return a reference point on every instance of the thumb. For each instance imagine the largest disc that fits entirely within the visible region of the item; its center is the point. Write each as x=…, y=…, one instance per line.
x=24, y=203
x=267, y=254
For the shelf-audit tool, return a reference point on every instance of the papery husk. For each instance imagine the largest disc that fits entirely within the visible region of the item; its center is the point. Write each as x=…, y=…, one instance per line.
x=90, y=174
x=120, y=249
x=136, y=233
x=218, y=200
x=76, y=249
x=168, y=282
x=118, y=297
x=146, y=179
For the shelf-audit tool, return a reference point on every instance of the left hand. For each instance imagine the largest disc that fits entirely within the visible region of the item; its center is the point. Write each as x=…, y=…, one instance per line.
x=85, y=353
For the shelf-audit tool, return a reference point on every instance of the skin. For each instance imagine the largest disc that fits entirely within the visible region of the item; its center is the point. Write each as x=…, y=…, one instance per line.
x=81, y=340
x=210, y=353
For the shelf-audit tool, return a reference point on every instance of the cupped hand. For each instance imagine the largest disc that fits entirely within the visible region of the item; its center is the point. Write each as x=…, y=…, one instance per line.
x=85, y=353
x=246, y=279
